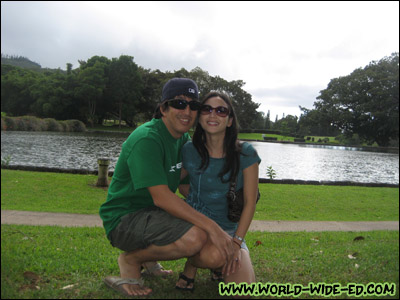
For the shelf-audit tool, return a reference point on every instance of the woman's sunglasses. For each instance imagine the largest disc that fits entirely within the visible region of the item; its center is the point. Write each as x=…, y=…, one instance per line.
x=181, y=104
x=221, y=111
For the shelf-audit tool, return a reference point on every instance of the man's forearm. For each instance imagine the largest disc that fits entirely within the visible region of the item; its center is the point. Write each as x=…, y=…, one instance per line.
x=171, y=203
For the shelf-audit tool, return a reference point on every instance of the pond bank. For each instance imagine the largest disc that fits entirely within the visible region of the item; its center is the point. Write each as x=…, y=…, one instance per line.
x=261, y=180
x=394, y=150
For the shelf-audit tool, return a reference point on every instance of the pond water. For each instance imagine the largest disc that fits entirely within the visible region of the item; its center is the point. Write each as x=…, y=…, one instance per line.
x=290, y=161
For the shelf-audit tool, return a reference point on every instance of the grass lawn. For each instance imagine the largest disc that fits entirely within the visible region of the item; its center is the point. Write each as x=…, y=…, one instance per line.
x=69, y=193
x=55, y=262
x=258, y=136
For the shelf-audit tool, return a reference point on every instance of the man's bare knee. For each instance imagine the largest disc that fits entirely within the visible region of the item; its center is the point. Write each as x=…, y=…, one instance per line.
x=192, y=241
x=209, y=257
x=213, y=258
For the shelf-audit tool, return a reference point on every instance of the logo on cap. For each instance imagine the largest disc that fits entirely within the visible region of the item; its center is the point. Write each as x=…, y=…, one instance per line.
x=192, y=91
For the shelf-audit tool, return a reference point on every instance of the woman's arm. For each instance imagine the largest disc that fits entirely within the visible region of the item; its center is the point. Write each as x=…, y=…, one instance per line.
x=250, y=189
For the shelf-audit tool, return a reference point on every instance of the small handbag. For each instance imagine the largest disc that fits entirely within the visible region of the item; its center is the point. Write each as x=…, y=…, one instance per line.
x=236, y=202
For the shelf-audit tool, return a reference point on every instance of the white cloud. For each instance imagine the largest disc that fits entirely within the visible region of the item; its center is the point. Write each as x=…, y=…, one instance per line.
x=286, y=52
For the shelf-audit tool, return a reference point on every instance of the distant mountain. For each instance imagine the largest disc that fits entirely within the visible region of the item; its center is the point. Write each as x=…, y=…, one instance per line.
x=19, y=61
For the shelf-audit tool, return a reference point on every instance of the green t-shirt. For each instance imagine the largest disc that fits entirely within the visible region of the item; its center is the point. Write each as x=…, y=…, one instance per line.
x=150, y=156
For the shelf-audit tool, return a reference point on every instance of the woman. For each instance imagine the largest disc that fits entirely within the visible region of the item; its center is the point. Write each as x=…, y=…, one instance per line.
x=213, y=159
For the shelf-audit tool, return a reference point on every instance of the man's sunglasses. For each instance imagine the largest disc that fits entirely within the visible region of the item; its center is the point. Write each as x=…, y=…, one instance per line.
x=181, y=104
x=221, y=111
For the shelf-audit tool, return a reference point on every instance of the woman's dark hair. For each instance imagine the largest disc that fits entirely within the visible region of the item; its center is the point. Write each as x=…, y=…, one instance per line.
x=232, y=147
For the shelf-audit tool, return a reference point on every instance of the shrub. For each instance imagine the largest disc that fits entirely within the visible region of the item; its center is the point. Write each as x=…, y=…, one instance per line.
x=297, y=140
x=354, y=140
x=9, y=123
x=20, y=124
x=53, y=125
x=76, y=126
x=34, y=124
x=64, y=126
x=269, y=138
x=267, y=131
x=271, y=172
x=31, y=123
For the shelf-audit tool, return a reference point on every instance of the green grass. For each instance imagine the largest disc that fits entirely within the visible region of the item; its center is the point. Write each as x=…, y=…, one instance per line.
x=111, y=127
x=69, y=193
x=51, y=192
x=59, y=257
x=327, y=203
x=258, y=136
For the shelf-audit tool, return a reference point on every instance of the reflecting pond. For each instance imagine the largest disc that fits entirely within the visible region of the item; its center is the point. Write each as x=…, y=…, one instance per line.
x=290, y=161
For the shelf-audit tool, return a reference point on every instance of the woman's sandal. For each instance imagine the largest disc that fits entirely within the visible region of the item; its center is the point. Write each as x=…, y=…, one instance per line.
x=188, y=281
x=216, y=276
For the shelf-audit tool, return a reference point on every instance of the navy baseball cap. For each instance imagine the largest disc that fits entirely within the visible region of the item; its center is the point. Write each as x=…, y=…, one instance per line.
x=180, y=86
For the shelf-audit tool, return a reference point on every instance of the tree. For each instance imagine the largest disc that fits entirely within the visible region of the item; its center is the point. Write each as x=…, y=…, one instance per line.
x=16, y=95
x=245, y=108
x=366, y=102
x=50, y=96
x=125, y=88
x=151, y=92
x=202, y=79
x=267, y=121
x=91, y=86
x=259, y=121
x=287, y=125
x=314, y=122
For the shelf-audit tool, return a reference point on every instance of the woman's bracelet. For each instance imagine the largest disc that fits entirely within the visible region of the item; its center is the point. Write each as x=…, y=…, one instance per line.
x=240, y=246
x=238, y=238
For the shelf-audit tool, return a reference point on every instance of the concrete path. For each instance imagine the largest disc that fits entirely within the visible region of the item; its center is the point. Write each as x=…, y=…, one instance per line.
x=62, y=219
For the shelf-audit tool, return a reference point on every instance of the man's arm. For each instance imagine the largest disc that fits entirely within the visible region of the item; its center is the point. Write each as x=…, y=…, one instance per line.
x=184, y=188
x=171, y=203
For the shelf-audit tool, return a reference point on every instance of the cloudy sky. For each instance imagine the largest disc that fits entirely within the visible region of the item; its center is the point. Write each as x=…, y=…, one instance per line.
x=285, y=52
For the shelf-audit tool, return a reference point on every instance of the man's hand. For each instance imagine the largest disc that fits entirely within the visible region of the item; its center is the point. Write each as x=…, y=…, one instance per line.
x=225, y=245
x=184, y=189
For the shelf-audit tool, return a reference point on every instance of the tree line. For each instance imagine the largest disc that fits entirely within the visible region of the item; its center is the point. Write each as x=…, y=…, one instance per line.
x=364, y=104
x=102, y=89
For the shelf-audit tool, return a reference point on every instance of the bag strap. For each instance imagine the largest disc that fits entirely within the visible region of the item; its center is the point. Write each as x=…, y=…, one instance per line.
x=232, y=186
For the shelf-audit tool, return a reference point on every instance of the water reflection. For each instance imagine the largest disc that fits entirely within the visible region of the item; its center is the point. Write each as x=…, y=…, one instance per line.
x=328, y=163
x=290, y=161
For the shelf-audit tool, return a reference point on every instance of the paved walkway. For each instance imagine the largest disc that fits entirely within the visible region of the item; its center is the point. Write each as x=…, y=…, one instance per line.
x=62, y=219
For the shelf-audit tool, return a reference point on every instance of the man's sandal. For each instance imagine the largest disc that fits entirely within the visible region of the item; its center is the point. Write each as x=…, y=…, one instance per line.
x=188, y=281
x=116, y=283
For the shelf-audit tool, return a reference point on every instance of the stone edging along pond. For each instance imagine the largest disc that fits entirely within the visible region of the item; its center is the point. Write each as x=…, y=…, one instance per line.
x=261, y=180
